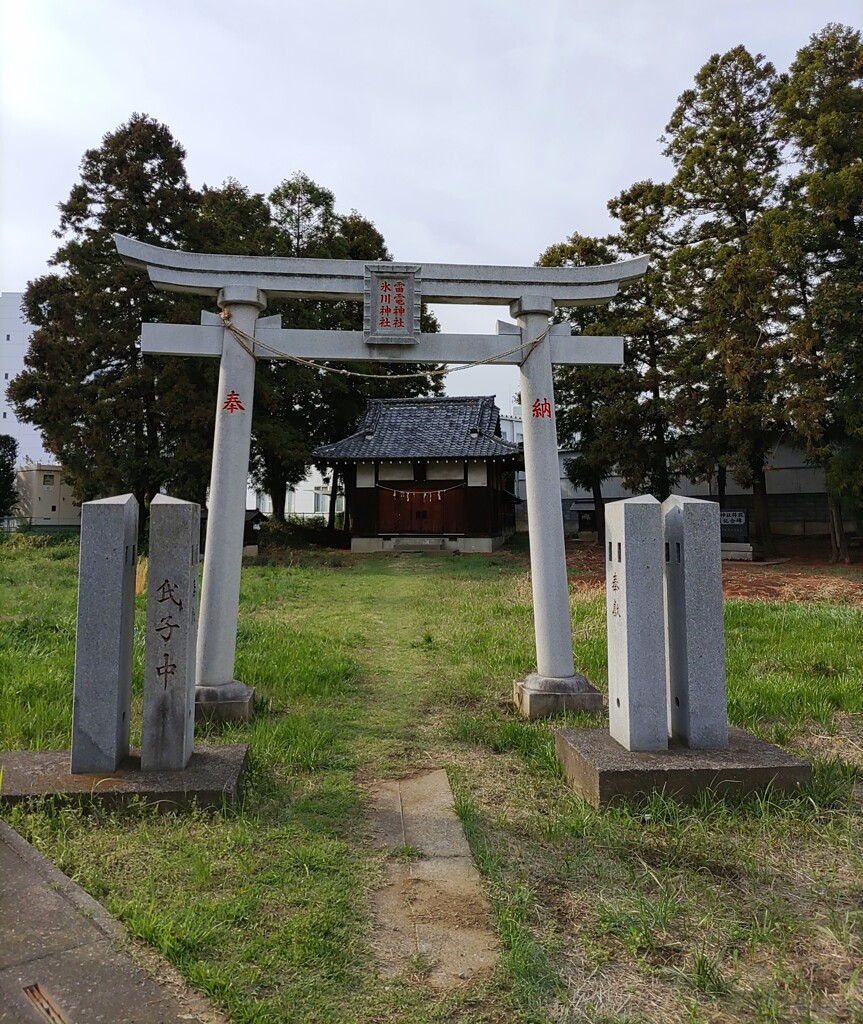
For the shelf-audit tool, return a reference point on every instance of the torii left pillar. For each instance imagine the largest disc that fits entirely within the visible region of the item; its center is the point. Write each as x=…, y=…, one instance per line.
x=218, y=694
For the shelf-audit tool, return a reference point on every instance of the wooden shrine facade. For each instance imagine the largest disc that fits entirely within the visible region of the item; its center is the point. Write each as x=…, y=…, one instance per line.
x=428, y=474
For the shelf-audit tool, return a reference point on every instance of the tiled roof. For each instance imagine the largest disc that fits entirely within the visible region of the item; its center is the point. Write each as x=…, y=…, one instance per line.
x=423, y=428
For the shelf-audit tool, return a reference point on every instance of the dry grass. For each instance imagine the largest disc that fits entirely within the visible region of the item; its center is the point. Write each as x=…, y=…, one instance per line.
x=844, y=739
x=141, y=575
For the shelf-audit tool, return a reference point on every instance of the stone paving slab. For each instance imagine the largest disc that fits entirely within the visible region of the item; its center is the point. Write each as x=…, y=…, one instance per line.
x=604, y=773
x=388, y=824
x=432, y=913
x=58, y=940
x=429, y=819
x=212, y=776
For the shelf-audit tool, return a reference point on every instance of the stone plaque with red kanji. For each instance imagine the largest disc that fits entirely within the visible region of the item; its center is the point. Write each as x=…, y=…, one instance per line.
x=393, y=296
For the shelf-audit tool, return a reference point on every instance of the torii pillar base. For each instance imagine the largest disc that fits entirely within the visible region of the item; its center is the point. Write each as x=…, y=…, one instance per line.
x=228, y=702
x=539, y=696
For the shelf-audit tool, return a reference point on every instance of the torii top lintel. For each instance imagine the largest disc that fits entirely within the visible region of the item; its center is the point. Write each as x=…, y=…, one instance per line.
x=298, y=278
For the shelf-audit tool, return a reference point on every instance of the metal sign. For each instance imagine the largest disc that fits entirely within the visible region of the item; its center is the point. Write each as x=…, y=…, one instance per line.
x=734, y=525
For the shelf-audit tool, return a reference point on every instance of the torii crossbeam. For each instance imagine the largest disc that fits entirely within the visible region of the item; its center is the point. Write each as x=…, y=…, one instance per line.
x=391, y=294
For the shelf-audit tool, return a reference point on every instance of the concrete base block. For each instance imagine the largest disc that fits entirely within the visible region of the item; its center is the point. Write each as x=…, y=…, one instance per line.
x=212, y=776
x=433, y=544
x=736, y=552
x=539, y=696
x=604, y=773
x=230, y=702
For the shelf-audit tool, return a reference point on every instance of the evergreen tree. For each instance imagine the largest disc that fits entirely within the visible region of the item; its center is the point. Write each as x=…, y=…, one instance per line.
x=121, y=421
x=648, y=438
x=588, y=397
x=818, y=237
x=617, y=418
x=116, y=420
x=299, y=407
x=721, y=140
x=8, y=460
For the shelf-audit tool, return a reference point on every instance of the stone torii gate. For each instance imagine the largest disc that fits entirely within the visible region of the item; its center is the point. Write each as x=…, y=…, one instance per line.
x=392, y=294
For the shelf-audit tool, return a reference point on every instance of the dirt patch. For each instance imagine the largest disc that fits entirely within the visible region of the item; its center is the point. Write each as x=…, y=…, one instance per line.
x=843, y=741
x=800, y=579
x=785, y=582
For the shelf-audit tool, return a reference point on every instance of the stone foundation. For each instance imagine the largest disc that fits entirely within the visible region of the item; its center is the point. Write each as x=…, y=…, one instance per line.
x=474, y=545
x=604, y=773
x=540, y=696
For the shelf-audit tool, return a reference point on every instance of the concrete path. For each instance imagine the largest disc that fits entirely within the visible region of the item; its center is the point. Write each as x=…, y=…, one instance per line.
x=433, y=916
x=64, y=959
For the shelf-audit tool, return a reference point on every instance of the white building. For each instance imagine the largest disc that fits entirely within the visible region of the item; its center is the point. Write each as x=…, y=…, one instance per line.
x=15, y=334
x=310, y=497
x=511, y=427
x=45, y=500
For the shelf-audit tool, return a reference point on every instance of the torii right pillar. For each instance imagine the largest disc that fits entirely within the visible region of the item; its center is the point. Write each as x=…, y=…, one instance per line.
x=555, y=686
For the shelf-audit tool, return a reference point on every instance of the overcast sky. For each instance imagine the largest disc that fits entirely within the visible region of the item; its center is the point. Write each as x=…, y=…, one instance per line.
x=469, y=131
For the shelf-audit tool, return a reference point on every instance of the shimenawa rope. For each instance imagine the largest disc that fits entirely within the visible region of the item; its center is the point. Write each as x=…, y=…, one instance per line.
x=245, y=340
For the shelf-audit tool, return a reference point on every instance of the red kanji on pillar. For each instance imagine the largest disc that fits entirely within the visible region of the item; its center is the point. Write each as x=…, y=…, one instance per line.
x=233, y=403
x=541, y=409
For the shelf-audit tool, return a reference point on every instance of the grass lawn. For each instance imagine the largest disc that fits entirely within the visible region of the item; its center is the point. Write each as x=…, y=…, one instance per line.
x=370, y=667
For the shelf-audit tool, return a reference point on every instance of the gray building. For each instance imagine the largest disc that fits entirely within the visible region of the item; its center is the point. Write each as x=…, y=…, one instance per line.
x=796, y=492
x=796, y=495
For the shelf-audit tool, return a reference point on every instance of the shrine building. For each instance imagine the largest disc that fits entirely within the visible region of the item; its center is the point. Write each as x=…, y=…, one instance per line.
x=431, y=474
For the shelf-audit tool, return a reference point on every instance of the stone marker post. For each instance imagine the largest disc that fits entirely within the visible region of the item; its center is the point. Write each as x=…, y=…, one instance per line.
x=103, y=641
x=223, y=554
x=172, y=629
x=664, y=602
x=635, y=623
x=695, y=645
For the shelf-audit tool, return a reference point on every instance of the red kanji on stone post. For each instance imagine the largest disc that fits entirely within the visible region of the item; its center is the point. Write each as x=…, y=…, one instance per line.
x=233, y=403
x=541, y=409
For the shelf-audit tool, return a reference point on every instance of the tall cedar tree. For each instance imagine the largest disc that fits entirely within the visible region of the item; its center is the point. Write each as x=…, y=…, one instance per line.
x=588, y=399
x=117, y=421
x=647, y=227
x=8, y=459
x=721, y=140
x=297, y=407
x=616, y=419
x=818, y=235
